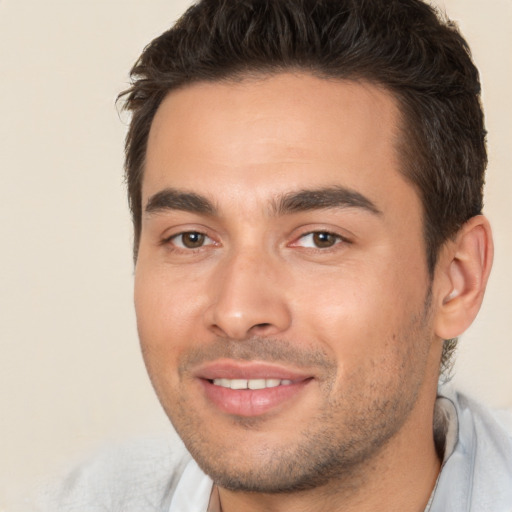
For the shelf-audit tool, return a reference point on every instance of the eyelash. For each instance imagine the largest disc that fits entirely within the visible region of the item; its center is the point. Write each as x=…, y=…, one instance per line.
x=338, y=239
x=171, y=240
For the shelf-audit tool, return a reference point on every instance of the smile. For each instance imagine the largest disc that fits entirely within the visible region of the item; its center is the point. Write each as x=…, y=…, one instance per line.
x=250, y=388
x=252, y=397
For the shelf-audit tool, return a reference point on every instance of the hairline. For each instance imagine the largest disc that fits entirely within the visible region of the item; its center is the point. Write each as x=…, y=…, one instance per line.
x=402, y=137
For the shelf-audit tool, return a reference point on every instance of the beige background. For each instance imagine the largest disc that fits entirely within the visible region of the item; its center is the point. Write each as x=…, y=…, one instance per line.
x=71, y=377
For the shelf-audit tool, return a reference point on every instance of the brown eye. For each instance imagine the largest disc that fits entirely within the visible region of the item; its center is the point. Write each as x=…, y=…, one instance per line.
x=190, y=240
x=319, y=240
x=323, y=239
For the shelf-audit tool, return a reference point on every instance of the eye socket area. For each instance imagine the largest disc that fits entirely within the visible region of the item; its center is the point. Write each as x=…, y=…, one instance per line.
x=194, y=240
x=188, y=240
x=319, y=240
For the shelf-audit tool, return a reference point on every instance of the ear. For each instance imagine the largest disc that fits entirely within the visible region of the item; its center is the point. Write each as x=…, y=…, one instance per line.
x=464, y=267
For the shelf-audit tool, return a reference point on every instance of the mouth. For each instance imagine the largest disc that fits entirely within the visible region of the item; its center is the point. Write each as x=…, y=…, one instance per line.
x=250, y=389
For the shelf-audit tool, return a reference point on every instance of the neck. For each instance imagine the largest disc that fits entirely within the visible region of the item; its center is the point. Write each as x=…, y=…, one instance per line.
x=400, y=477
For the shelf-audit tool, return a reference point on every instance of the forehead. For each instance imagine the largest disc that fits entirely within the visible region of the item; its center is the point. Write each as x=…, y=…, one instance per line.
x=285, y=130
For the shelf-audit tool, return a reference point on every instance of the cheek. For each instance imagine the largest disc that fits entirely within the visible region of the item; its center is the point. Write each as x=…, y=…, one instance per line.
x=163, y=320
x=359, y=315
x=166, y=308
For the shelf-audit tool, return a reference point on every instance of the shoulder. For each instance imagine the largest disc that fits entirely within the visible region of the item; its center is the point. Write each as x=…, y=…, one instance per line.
x=477, y=475
x=493, y=427
x=128, y=477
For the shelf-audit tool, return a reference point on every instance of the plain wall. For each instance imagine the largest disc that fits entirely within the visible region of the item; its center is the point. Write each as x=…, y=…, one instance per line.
x=71, y=376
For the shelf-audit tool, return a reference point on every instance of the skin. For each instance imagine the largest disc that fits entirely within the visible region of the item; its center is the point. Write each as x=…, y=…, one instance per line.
x=357, y=313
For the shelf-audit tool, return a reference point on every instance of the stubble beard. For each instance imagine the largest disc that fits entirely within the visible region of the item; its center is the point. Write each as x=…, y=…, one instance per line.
x=339, y=444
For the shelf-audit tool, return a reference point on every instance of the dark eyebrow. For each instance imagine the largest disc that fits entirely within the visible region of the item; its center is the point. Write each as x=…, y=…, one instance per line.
x=172, y=199
x=323, y=198
x=292, y=202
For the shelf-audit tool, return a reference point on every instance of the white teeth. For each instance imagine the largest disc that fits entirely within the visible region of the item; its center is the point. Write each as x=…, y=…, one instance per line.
x=251, y=383
x=273, y=383
x=256, y=384
x=238, y=384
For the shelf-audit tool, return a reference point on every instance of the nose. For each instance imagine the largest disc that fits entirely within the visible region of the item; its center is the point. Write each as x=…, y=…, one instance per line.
x=248, y=297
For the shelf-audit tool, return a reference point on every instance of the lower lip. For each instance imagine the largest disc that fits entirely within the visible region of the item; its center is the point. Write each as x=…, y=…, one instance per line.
x=251, y=402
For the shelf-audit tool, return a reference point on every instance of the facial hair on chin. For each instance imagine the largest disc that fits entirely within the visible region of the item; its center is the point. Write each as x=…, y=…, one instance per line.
x=347, y=431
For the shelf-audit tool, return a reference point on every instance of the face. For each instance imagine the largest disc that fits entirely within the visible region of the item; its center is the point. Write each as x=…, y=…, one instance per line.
x=281, y=287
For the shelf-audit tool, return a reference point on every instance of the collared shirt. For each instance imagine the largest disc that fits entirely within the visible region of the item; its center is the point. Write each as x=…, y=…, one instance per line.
x=476, y=474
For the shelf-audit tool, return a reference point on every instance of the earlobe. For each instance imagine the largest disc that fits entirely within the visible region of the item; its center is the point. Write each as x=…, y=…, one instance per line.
x=466, y=266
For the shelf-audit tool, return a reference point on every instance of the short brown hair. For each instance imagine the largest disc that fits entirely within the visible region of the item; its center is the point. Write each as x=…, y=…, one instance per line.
x=402, y=45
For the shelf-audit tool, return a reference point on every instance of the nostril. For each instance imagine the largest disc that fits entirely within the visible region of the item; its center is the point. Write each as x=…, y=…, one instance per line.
x=261, y=328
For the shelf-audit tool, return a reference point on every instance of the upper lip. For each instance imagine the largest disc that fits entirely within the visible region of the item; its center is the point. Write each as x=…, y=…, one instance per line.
x=230, y=369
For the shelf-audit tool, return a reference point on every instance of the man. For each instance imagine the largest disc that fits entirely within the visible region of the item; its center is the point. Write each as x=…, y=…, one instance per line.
x=305, y=179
